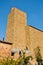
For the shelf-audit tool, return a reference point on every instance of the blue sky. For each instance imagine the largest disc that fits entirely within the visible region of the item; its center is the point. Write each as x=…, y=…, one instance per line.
x=33, y=8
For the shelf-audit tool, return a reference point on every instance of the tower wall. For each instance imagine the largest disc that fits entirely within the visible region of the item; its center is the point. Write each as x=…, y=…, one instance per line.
x=28, y=44
x=15, y=32
x=10, y=28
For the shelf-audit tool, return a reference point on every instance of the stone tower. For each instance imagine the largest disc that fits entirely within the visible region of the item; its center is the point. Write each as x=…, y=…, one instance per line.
x=15, y=31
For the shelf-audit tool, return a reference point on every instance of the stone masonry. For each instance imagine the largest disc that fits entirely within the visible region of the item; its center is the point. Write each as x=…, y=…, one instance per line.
x=21, y=35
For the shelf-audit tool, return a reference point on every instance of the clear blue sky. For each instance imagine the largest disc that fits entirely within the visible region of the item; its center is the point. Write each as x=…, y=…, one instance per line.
x=33, y=8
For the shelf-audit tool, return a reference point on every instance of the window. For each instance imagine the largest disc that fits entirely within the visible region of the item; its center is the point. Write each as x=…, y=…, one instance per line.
x=12, y=53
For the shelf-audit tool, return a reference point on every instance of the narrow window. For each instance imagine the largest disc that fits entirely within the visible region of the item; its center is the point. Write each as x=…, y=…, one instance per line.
x=12, y=53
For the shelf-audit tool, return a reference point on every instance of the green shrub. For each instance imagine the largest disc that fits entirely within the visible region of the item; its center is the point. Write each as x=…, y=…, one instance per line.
x=20, y=61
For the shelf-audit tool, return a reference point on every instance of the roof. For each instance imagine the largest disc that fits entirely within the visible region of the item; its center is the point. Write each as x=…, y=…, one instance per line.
x=35, y=28
x=6, y=42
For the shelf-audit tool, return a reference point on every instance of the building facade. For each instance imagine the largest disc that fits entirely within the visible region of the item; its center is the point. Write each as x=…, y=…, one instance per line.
x=21, y=35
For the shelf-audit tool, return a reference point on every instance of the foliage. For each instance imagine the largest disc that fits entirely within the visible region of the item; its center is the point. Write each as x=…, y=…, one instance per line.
x=22, y=60
x=26, y=60
x=38, y=54
x=7, y=62
x=19, y=61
